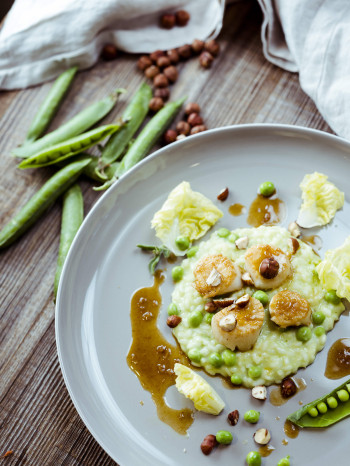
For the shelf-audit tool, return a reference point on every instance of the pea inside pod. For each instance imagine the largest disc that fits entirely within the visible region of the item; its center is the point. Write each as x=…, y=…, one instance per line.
x=314, y=413
x=69, y=148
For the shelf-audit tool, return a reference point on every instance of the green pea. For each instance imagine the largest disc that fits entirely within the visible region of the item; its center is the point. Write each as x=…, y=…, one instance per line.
x=192, y=251
x=322, y=407
x=195, y=355
x=252, y=416
x=319, y=331
x=195, y=318
x=182, y=242
x=236, y=379
x=224, y=436
x=173, y=310
x=284, y=461
x=267, y=188
x=253, y=458
x=331, y=297
x=318, y=317
x=215, y=359
x=223, y=232
x=177, y=273
x=313, y=412
x=332, y=402
x=229, y=357
x=343, y=395
x=208, y=318
x=303, y=333
x=261, y=296
x=254, y=372
x=233, y=237
x=348, y=387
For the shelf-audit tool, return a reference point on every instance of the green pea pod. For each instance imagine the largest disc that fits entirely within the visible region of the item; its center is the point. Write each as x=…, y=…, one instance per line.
x=50, y=105
x=91, y=172
x=76, y=125
x=135, y=113
x=41, y=201
x=69, y=148
x=72, y=218
x=302, y=419
x=149, y=136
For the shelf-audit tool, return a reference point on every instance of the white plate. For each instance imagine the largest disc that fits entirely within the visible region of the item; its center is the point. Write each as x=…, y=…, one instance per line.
x=104, y=268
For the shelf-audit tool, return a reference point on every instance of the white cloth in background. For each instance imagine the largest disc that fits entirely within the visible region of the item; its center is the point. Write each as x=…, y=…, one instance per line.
x=41, y=38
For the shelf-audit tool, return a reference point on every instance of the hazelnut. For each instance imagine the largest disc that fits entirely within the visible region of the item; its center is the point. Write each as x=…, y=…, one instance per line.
x=210, y=307
x=295, y=244
x=223, y=195
x=162, y=92
x=173, y=56
x=182, y=17
x=206, y=59
x=197, y=46
x=155, y=104
x=160, y=80
x=173, y=321
x=294, y=229
x=242, y=242
x=225, y=302
x=228, y=323
x=167, y=21
x=180, y=137
x=269, y=268
x=151, y=71
x=171, y=73
x=109, y=52
x=144, y=62
x=183, y=128
x=233, y=417
x=243, y=301
x=262, y=436
x=247, y=279
x=288, y=387
x=163, y=62
x=214, y=278
x=194, y=119
x=170, y=136
x=185, y=51
x=259, y=392
x=208, y=444
x=156, y=54
x=198, y=129
x=192, y=107
x=212, y=47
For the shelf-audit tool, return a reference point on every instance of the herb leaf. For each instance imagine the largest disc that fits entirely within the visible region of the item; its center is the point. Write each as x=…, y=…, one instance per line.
x=158, y=252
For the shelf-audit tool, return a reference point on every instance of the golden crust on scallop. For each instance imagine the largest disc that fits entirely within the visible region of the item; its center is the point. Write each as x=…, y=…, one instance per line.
x=288, y=308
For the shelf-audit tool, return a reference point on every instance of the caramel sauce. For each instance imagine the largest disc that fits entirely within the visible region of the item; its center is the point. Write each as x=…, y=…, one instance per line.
x=266, y=450
x=152, y=358
x=266, y=211
x=285, y=442
x=236, y=209
x=276, y=398
x=338, y=359
x=290, y=429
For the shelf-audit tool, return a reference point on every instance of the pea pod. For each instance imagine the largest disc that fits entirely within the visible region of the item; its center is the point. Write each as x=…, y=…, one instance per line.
x=336, y=410
x=41, y=201
x=135, y=113
x=76, y=125
x=69, y=148
x=72, y=218
x=50, y=105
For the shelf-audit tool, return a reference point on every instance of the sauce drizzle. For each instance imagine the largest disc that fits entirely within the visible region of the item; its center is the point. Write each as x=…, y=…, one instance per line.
x=266, y=211
x=338, y=359
x=236, y=209
x=151, y=357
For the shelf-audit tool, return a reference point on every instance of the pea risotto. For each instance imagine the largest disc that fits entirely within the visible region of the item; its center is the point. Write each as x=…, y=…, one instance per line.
x=251, y=305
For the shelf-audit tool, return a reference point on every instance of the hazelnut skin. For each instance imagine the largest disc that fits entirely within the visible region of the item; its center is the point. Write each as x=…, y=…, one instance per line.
x=144, y=62
x=173, y=56
x=167, y=21
x=192, y=107
x=173, y=321
x=155, y=104
x=182, y=17
x=170, y=136
x=208, y=444
x=206, y=59
x=288, y=387
x=194, y=119
x=197, y=46
x=185, y=51
x=212, y=47
x=171, y=73
x=269, y=268
x=183, y=128
x=198, y=129
x=233, y=417
x=163, y=62
x=156, y=54
x=160, y=80
x=162, y=92
x=151, y=71
x=109, y=52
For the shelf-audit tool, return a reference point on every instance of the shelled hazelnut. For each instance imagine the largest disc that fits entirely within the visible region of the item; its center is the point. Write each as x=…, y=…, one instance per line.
x=171, y=73
x=183, y=127
x=170, y=136
x=109, y=52
x=173, y=56
x=162, y=92
x=167, y=21
x=185, y=51
x=155, y=104
x=206, y=59
x=156, y=54
x=198, y=129
x=144, y=62
x=212, y=47
x=182, y=17
x=160, y=80
x=194, y=119
x=163, y=62
x=151, y=71
x=197, y=46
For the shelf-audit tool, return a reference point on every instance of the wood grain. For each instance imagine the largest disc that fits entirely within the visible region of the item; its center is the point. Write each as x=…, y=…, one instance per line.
x=37, y=418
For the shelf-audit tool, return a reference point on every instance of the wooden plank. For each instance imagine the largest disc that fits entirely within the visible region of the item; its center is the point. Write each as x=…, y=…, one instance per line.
x=38, y=420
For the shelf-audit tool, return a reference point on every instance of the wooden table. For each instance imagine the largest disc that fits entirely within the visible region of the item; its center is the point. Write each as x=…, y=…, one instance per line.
x=38, y=420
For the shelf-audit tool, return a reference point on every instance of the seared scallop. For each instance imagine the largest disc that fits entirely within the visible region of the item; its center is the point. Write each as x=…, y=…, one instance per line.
x=288, y=308
x=239, y=327
x=268, y=266
x=215, y=275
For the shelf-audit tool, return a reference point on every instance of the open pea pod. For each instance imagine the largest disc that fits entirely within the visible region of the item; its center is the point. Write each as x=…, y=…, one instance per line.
x=302, y=418
x=70, y=147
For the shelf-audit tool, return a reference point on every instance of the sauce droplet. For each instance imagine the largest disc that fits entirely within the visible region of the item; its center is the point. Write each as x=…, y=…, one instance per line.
x=236, y=209
x=266, y=211
x=276, y=398
x=338, y=359
x=151, y=357
x=266, y=450
x=290, y=429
